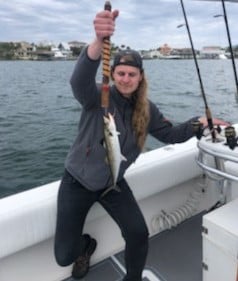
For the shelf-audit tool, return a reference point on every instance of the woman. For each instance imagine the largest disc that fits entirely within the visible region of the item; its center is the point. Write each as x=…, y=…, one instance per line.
x=87, y=175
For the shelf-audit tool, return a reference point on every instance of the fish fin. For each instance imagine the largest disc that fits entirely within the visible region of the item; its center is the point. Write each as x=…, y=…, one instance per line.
x=105, y=119
x=113, y=187
x=106, y=160
x=123, y=158
x=102, y=142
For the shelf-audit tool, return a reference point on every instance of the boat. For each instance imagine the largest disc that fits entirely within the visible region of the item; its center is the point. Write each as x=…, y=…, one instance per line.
x=188, y=194
x=58, y=54
x=170, y=57
x=223, y=57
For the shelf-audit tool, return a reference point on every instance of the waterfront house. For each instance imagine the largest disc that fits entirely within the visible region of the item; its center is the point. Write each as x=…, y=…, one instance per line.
x=24, y=51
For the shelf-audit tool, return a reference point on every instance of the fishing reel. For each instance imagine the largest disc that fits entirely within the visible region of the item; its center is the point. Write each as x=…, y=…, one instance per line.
x=231, y=138
x=199, y=129
x=229, y=134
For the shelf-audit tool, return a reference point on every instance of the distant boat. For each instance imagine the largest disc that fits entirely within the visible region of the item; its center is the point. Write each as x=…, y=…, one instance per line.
x=170, y=57
x=223, y=57
x=57, y=54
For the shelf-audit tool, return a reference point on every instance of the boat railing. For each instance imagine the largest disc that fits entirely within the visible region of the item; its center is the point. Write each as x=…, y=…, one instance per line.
x=219, y=159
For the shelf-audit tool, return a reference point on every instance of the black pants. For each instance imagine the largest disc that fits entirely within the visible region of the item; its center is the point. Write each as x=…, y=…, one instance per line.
x=74, y=202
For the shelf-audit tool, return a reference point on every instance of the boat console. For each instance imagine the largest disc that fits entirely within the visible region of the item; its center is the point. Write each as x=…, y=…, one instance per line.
x=219, y=160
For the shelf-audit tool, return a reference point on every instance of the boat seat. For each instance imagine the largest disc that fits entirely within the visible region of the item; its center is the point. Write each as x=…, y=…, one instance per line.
x=29, y=217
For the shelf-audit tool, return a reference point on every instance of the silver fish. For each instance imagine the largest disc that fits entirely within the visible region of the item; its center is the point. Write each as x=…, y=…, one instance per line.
x=112, y=146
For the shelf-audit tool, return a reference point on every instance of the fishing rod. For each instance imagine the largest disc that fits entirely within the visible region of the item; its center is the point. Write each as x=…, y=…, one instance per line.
x=207, y=109
x=106, y=67
x=230, y=131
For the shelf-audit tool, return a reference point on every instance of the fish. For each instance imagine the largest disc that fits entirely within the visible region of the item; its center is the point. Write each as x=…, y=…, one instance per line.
x=113, y=150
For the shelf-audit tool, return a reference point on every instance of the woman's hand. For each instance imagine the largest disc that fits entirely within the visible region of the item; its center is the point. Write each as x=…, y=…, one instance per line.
x=104, y=26
x=215, y=121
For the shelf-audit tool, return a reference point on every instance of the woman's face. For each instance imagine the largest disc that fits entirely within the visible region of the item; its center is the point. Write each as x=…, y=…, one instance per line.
x=126, y=79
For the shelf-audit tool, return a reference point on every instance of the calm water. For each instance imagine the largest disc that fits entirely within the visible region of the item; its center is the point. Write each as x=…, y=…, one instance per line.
x=39, y=116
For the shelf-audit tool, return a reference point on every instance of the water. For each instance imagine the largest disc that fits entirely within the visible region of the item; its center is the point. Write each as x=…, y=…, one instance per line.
x=39, y=116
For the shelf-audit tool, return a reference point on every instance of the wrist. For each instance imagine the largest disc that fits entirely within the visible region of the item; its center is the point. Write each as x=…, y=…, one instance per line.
x=95, y=49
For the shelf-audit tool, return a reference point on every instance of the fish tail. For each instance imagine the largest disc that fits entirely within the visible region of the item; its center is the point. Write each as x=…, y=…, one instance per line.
x=113, y=187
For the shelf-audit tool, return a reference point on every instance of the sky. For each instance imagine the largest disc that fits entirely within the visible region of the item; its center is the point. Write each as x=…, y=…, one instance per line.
x=142, y=24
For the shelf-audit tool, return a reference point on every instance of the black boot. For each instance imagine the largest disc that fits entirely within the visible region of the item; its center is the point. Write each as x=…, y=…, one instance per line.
x=81, y=265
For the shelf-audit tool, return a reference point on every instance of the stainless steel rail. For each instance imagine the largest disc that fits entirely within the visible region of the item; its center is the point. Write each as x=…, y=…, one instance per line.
x=219, y=158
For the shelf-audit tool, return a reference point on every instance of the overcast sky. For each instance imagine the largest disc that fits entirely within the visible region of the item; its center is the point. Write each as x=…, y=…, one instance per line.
x=142, y=24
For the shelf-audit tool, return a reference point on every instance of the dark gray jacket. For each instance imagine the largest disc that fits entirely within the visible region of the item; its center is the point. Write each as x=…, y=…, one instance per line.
x=86, y=158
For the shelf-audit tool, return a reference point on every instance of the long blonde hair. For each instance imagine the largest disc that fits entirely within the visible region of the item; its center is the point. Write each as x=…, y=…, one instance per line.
x=141, y=117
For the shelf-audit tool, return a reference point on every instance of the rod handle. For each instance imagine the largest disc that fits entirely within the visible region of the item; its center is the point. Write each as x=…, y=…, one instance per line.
x=210, y=124
x=106, y=65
